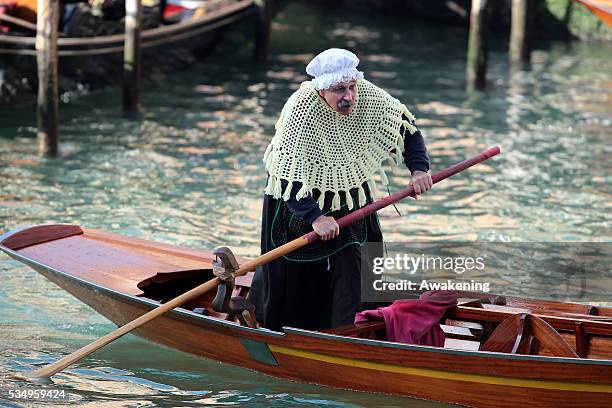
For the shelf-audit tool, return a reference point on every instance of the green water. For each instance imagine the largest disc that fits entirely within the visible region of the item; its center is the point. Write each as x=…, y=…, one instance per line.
x=191, y=174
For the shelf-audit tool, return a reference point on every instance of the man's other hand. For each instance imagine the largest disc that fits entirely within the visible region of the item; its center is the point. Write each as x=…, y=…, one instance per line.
x=326, y=227
x=421, y=182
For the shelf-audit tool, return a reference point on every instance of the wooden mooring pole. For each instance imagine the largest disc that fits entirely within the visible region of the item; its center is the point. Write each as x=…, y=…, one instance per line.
x=132, y=58
x=262, y=32
x=476, y=72
x=520, y=32
x=46, y=59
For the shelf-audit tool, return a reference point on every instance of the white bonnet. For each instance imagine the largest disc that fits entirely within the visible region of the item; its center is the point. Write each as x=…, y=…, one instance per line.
x=333, y=66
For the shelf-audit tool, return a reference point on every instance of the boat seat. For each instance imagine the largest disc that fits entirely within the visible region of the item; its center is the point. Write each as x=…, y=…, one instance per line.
x=476, y=329
x=460, y=333
x=524, y=333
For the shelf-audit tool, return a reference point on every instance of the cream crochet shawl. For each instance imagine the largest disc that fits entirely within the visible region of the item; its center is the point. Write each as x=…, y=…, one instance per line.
x=328, y=151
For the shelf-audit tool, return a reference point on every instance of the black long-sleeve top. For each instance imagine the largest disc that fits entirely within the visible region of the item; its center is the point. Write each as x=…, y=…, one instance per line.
x=415, y=157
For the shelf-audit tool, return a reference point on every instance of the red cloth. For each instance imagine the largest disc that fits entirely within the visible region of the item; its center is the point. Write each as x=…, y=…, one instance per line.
x=172, y=9
x=414, y=321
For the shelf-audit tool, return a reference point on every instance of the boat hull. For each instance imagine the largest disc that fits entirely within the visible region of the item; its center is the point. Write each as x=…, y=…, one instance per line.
x=480, y=379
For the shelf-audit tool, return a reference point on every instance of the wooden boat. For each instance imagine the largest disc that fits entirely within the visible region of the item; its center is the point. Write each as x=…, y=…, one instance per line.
x=97, y=61
x=189, y=32
x=497, y=354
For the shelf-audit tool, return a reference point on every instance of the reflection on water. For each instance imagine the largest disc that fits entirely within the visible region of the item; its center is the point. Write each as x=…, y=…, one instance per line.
x=191, y=174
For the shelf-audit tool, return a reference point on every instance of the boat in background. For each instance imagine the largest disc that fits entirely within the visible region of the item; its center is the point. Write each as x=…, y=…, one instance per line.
x=499, y=351
x=601, y=8
x=93, y=61
x=192, y=33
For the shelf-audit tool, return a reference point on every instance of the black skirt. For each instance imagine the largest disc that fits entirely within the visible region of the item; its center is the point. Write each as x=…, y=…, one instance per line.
x=319, y=286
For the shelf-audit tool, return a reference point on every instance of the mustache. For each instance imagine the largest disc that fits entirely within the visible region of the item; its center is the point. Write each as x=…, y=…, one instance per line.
x=345, y=104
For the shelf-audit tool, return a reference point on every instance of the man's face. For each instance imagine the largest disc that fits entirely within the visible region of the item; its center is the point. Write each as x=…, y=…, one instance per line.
x=341, y=97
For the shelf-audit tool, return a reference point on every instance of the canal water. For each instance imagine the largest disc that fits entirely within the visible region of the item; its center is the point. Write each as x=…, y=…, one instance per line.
x=191, y=174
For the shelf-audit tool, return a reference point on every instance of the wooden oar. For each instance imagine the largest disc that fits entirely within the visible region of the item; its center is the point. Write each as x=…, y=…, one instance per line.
x=251, y=265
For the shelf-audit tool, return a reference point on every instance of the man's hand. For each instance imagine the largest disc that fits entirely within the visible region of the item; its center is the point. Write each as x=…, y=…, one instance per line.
x=326, y=227
x=421, y=182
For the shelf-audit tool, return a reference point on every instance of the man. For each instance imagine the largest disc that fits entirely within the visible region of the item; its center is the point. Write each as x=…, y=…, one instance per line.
x=331, y=139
